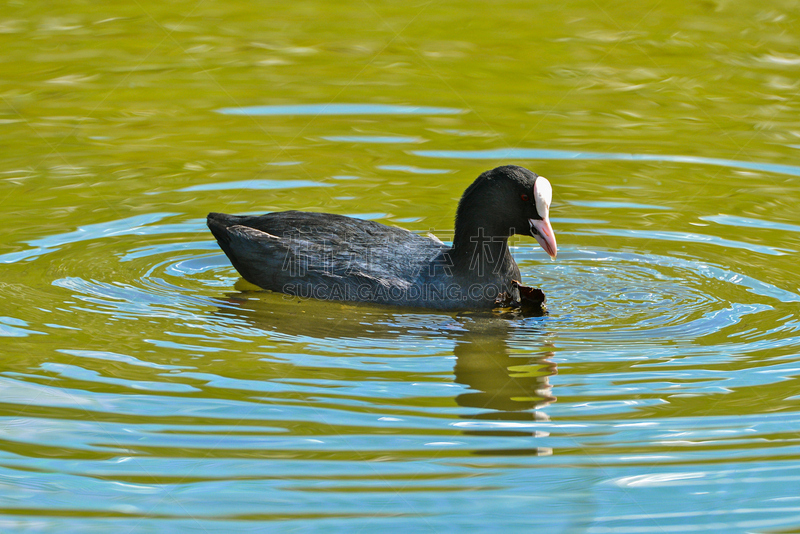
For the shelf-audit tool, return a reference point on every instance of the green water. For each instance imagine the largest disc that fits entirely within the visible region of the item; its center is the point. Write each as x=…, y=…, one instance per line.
x=141, y=390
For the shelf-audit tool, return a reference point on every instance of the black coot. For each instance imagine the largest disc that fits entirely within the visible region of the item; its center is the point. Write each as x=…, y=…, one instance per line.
x=327, y=256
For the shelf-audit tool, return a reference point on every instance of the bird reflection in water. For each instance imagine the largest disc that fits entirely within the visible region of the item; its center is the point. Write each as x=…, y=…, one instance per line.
x=508, y=381
x=508, y=386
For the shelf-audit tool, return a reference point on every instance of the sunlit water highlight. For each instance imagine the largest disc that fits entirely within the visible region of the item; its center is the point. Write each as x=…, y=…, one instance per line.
x=546, y=154
x=339, y=109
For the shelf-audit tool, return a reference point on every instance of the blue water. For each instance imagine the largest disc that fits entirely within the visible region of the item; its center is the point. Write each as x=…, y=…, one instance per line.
x=340, y=109
x=506, y=154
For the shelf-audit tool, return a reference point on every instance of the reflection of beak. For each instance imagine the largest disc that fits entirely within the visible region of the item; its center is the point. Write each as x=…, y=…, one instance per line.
x=543, y=232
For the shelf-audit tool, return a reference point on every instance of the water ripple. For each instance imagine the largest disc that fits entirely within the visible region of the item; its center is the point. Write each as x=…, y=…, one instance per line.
x=381, y=139
x=506, y=154
x=339, y=109
x=648, y=369
x=694, y=238
x=255, y=184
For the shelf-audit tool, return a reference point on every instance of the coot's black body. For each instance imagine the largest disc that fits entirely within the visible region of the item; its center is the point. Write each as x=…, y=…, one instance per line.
x=327, y=256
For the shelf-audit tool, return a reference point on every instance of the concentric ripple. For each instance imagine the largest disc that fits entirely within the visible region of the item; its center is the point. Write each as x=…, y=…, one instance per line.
x=625, y=296
x=647, y=373
x=636, y=296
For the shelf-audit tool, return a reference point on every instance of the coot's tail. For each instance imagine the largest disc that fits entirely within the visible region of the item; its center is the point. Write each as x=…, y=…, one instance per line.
x=219, y=223
x=254, y=253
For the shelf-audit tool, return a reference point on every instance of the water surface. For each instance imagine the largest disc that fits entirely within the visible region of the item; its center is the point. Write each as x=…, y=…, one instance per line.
x=146, y=389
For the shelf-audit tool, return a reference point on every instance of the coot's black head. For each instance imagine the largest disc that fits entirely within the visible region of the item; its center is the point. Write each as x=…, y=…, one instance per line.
x=510, y=199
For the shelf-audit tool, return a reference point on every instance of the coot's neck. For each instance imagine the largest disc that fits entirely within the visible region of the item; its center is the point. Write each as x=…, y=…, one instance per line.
x=479, y=245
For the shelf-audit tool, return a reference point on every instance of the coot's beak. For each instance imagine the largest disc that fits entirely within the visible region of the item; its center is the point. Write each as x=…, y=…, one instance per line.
x=543, y=232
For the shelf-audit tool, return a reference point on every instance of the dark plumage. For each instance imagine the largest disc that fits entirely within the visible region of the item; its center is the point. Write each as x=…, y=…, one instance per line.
x=333, y=257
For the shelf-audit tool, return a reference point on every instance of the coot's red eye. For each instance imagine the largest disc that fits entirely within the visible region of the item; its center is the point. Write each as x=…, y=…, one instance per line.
x=524, y=197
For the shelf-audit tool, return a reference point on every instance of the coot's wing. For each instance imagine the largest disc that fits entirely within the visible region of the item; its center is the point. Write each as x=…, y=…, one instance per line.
x=300, y=249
